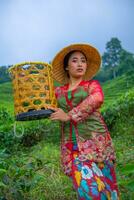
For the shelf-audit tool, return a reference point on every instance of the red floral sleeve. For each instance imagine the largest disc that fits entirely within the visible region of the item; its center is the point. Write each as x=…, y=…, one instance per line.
x=89, y=104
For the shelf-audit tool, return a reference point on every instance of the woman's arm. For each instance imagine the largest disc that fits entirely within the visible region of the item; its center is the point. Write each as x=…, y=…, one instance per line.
x=89, y=104
x=59, y=114
x=85, y=108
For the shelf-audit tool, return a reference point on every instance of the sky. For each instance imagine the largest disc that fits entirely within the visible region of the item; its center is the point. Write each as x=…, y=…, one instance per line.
x=35, y=30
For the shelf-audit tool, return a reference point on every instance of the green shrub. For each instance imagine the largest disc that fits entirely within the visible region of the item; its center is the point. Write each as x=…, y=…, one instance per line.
x=121, y=111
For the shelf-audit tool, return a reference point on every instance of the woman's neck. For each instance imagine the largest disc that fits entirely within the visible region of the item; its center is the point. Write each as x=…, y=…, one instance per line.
x=73, y=82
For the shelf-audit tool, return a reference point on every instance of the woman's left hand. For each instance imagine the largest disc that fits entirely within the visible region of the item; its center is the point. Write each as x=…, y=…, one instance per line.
x=60, y=115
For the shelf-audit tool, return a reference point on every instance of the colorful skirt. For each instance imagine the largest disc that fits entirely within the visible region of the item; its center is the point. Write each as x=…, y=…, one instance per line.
x=94, y=181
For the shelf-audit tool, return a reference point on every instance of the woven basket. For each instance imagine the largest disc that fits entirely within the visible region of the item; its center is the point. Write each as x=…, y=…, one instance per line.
x=33, y=86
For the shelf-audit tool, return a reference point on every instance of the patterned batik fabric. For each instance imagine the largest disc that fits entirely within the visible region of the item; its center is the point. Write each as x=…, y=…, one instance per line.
x=94, y=181
x=87, y=124
x=90, y=161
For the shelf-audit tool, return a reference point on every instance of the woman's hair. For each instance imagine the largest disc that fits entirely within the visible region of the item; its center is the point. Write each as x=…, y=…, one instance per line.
x=66, y=59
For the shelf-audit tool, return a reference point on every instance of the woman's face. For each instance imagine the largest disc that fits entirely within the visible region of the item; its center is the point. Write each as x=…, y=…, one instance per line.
x=77, y=65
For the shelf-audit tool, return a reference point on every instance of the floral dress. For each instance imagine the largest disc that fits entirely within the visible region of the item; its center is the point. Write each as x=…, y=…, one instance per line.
x=87, y=153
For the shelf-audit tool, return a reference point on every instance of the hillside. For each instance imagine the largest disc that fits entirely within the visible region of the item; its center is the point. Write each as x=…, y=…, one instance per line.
x=6, y=96
x=113, y=89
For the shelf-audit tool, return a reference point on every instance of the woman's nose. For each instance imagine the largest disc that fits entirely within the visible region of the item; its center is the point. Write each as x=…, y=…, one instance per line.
x=79, y=63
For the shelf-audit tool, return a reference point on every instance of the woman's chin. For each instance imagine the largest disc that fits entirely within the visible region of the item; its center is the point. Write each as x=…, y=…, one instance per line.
x=79, y=75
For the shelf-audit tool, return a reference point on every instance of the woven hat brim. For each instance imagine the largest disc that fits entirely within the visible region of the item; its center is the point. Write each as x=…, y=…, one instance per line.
x=93, y=61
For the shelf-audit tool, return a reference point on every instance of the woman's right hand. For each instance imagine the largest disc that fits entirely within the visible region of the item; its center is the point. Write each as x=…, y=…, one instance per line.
x=60, y=115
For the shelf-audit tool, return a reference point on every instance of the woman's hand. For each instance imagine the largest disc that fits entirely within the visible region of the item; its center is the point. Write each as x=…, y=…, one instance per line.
x=60, y=115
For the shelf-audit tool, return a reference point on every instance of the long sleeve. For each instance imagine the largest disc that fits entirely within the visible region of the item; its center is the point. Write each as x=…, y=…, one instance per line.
x=92, y=102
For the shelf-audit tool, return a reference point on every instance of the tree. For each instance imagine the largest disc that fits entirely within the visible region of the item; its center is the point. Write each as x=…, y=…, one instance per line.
x=111, y=58
x=126, y=62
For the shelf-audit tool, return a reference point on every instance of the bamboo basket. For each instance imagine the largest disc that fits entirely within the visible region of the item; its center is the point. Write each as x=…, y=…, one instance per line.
x=33, y=87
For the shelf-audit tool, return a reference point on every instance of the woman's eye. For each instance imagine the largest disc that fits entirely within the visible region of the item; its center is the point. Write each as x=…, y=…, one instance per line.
x=84, y=61
x=74, y=61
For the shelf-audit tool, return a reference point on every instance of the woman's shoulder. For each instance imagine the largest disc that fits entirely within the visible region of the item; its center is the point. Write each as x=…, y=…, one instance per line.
x=60, y=89
x=84, y=83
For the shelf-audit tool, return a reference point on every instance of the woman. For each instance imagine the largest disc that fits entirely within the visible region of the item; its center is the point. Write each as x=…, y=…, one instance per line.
x=87, y=153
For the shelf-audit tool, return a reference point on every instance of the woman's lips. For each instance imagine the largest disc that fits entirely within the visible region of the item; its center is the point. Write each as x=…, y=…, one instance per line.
x=79, y=70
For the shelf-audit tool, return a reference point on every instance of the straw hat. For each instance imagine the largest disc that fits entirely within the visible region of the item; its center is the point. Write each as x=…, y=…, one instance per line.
x=93, y=61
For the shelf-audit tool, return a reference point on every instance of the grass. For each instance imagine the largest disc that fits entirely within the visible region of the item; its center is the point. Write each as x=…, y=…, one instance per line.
x=40, y=170
x=6, y=96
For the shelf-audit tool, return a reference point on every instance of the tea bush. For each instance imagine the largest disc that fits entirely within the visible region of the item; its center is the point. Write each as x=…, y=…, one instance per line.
x=121, y=111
